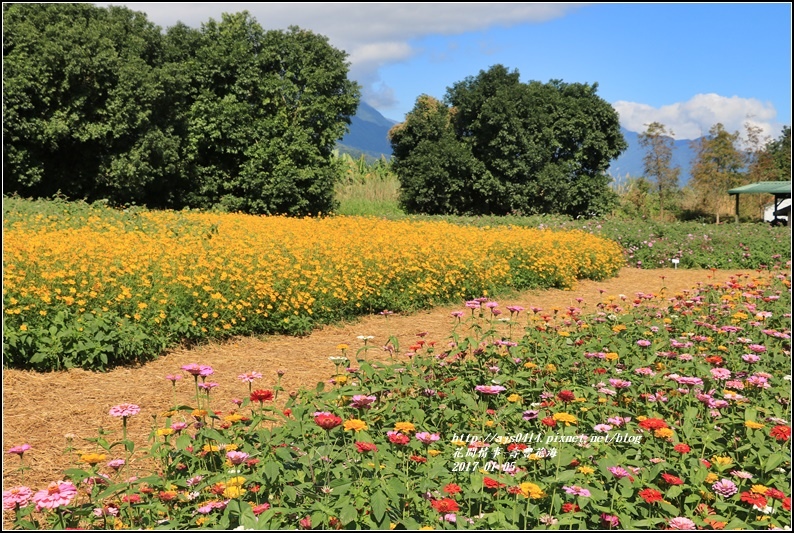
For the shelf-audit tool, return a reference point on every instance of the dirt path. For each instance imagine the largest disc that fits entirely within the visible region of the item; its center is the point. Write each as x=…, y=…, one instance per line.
x=39, y=409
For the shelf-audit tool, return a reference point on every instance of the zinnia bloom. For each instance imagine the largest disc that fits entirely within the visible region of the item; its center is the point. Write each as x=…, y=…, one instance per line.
x=428, y=438
x=445, y=505
x=124, y=410
x=261, y=396
x=531, y=491
x=672, y=480
x=355, y=425
x=490, y=483
x=653, y=423
x=781, y=433
x=609, y=521
x=364, y=447
x=16, y=497
x=362, y=402
x=452, y=488
x=576, y=490
x=404, y=427
x=680, y=522
x=565, y=418
x=395, y=437
x=725, y=487
x=566, y=396
x=236, y=458
x=19, y=450
x=249, y=377
x=489, y=389
x=326, y=420
x=57, y=494
x=682, y=448
x=651, y=495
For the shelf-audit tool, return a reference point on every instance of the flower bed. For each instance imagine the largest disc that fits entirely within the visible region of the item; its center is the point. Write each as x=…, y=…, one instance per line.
x=651, y=412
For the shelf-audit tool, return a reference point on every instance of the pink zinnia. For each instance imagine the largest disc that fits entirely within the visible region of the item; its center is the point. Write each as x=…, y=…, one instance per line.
x=115, y=464
x=489, y=389
x=173, y=378
x=208, y=386
x=720, y=373
x=236, y=457
x=427, y=438
x=644, y=343
x=757, y=348
x=361, y=401
x=124, y=410
x=57, y=494
x=205, y=370
x=726, y=487
x=192, y=369
x=19, y=450
x=249, y=377
x=178, y=426
x=680, y=522
x=16, y=497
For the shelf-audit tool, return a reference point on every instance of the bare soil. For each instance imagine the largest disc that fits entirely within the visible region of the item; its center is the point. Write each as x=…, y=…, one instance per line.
x=40, y=409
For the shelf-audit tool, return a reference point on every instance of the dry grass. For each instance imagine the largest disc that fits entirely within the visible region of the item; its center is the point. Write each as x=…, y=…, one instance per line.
x=39, y=409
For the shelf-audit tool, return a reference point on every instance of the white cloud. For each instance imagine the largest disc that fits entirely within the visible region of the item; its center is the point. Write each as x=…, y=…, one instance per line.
x=373, y=34
x=695, y=117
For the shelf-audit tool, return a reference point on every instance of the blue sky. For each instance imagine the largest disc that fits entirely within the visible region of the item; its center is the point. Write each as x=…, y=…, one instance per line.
x=688, y=66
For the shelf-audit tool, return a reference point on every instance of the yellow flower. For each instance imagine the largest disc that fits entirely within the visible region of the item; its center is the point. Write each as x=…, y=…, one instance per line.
x=93, y=458
x=404, y=427
x=230, y=447
x=341, y=379
x=210, y=448
x=551, y=368
x=531, y=491
x=489, y=423
x=602, y=400
x=529, y=364
x=233, y=418
x=712, y=477
x=167, y=414
x=426, y=528
x=534, y=457
x=514, y=398
x=759, y=489
x=233, y=491
x=611, y=356
x=752, y=424
x=238, y=481
x=568, y=419
x=722, y=348
x=563, y=333
x=164, y=432
x=342, y=347
x=458, y=443
x=618, y=328
x=355, y=425
x=641, y=418
x=23, y=327
x=434, y=453
x=199, y=413
x=586, y=470
x=200, y=521
x=722, y=460
x=663, y=433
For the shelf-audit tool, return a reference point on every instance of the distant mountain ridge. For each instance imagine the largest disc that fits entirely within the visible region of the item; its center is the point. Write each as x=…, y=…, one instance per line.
x=369, y=130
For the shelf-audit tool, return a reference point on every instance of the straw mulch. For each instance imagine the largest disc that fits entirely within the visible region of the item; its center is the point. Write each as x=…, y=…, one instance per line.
x=40, y=409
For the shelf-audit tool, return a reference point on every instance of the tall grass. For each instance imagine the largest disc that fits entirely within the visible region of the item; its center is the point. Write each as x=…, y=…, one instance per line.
x=368, y=189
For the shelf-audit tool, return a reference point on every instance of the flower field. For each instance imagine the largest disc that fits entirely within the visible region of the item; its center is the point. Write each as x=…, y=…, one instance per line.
x=651, y=411
x=90, y=287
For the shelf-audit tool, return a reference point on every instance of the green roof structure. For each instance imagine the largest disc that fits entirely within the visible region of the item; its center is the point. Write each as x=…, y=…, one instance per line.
x=780, y=189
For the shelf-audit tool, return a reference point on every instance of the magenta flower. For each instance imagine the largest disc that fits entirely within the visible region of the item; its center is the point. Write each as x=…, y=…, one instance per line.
x=19, y=450
x=178, y=426
x=515, y=308
x=193, y=369
x=489, y=389
x=361, y=401
x=16, y=497
x=236, y=458
x=427, y=438
x=720, y=373
x=249, y=377
x=173, y=378
x=644, y=343
x=124, y=410
x=750, y=358
x=620, y=383
x=205, y=370
x=725, y=487
x=193, y=481
x=457, y=314
x=618, y=472
x=679, y=522
x=609, y=520
x=208, y=386
x=57, y=494
x=115, y=464
x=602, y=428
x=576, y=490
x=756, y=348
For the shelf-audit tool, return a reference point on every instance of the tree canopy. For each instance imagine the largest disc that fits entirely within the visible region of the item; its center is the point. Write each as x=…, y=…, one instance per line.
x=100, y=103
x=497, y=146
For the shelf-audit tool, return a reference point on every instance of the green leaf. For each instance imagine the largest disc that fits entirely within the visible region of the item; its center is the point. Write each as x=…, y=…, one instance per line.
x=380, y=504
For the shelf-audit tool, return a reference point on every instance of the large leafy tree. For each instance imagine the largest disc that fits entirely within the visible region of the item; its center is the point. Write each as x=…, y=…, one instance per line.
x=718, y=166
x=657, y=162
x=268, y=110
x=84, y=107
x=502, y=146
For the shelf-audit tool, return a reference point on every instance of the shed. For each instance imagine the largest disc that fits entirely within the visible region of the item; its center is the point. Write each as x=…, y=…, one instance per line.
x=779, y=189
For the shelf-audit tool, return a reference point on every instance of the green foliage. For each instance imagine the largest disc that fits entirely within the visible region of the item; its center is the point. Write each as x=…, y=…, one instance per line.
x=658, y=160
x=718, y=167
x=100, y=104
x=499, y=146
x=367, y=188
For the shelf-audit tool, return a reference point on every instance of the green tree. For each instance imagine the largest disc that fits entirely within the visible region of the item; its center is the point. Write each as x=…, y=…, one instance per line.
x=717, y=167
x=84, y=107
x=657, y=162
x=497, y=146
x=267, y=113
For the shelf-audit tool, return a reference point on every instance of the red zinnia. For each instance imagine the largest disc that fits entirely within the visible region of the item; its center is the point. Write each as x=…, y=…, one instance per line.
x=570, y=508
x=714, y=360
x=787, y=503
x=491, y=483
x=650, y=495
x=682, y=448
x=549, y=421
x=452, y=488
x=600, y=370
x=781, y=433
x=445, y=505
x=395, y=437
x=672, y=480
x=520, y=446
x=327, y=421
x=261, y=396
x=774, y=493
x=754, y=499
x=418, y=459
x=653, y=423
x=364, y=447
x=566, y=396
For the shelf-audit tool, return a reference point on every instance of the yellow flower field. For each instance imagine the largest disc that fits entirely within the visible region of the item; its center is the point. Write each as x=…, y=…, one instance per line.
x=78, y=283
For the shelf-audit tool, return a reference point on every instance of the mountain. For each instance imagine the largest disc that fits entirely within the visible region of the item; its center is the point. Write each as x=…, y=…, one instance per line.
x=630, y=162
x=369, y=129
x=368, y=134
